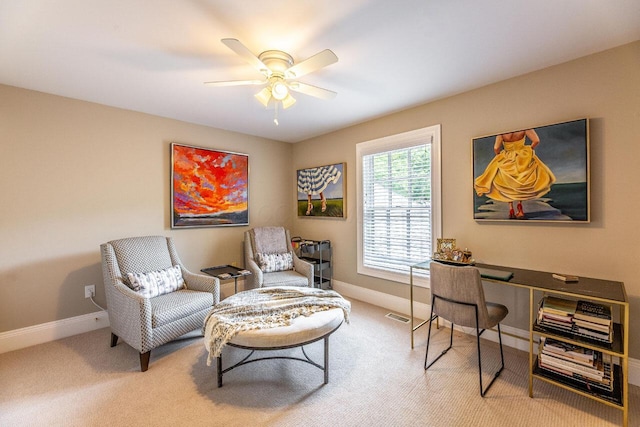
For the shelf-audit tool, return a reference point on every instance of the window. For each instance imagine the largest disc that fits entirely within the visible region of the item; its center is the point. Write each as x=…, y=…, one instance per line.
x=398, y=202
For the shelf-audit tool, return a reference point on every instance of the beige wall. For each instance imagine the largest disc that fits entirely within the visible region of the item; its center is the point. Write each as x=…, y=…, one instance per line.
x=605, y=88
x=75, y=174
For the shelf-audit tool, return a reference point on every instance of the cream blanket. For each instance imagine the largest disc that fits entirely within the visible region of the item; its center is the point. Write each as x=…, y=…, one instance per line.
x=265, y=308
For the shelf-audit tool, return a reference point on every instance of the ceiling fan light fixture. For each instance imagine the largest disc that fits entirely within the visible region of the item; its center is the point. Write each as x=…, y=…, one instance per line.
x=279, y=90
x=264, y=96
x=288, y=101
x=279, y=69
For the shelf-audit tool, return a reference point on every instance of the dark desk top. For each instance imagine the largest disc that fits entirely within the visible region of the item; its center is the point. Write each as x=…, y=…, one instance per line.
x=585, y=286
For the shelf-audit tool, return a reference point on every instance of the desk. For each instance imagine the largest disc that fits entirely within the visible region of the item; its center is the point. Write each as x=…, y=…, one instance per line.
x=598, y=290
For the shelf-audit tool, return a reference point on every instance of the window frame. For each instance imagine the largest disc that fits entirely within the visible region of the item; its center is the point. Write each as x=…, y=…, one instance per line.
x=394, y=142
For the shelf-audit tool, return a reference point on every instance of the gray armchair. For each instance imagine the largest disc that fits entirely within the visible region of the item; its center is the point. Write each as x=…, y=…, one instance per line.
x=146, y=323
x=273, y=240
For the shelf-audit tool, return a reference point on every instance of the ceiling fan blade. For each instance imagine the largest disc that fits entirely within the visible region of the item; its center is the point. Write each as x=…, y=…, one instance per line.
x=310, y=90
x=246, y=54
x=236, y=83
x=309, y=65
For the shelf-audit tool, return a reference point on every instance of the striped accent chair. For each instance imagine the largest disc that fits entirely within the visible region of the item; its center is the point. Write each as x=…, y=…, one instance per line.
x=265, y=250
x=146, y=322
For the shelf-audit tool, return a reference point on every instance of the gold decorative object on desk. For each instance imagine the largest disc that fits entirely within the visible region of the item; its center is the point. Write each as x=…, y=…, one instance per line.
x=448, y=252
x=446, y=245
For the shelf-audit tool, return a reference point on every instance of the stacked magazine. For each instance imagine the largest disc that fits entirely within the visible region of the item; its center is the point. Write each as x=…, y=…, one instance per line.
x=584, y=318
x=593, y=320
x=589, y=367
x=557, y=313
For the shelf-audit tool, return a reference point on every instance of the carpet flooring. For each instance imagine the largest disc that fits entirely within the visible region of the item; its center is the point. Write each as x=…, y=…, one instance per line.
x=375, y=380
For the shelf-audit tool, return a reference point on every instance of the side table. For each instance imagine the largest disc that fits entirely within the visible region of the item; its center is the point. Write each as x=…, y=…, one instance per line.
x=226, y=272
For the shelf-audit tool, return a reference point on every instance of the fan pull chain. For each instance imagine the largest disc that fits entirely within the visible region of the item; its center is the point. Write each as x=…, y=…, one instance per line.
x=275, y=118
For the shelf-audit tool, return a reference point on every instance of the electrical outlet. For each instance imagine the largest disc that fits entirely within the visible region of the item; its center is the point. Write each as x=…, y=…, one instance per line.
x=234, y=263
x=90, y=291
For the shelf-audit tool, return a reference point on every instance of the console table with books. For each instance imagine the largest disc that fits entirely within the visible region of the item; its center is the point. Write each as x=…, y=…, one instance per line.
x=582, y=328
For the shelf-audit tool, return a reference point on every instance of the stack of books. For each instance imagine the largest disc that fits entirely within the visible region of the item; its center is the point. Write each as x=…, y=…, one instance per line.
x=593, y=320
x=584, y=318
x=588, y=367
x=557, y=313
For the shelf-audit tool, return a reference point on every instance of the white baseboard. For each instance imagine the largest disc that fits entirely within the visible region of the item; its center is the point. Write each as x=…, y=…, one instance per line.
x=51, y=331
x=402, y=306
x=39, y=334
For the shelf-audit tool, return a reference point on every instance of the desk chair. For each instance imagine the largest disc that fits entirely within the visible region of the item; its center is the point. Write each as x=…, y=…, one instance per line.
x=457, y=296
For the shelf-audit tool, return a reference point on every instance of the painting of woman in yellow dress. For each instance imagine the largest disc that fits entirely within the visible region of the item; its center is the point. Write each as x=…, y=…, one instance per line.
x=515, y=173
x=539, y=174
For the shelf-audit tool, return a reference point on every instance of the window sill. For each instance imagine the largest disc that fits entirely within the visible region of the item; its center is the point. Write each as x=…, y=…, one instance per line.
x=420, y=280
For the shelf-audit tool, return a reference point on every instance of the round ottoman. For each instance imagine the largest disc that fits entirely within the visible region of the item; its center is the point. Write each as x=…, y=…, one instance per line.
x=301, y=331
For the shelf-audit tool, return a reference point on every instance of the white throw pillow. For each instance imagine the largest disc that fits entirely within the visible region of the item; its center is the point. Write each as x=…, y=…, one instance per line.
x=269, y=263
x=154, y=283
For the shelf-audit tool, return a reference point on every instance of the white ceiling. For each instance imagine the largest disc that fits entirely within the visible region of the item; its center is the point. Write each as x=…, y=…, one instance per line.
x=153, y=56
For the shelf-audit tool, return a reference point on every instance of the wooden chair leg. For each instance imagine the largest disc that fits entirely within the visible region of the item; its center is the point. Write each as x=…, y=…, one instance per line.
x=114, y=339
x=144, y=361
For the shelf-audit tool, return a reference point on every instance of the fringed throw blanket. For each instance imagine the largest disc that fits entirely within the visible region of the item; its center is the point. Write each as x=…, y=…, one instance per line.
x=265, y=308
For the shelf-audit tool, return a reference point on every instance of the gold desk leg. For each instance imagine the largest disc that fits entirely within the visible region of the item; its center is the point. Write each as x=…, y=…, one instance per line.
x=531, y=320
x=625, y=365
x=411, y=302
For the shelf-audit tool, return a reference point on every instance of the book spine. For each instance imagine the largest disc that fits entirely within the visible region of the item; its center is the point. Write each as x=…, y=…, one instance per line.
x=581, y=361
x=593, y=309
x=608, y=338
x=592, y=319
x=592, y=326
x=572, y=367
x=606, y=386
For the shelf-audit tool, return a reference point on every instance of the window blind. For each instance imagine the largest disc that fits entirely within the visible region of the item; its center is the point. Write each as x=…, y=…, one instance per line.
x=397, y=208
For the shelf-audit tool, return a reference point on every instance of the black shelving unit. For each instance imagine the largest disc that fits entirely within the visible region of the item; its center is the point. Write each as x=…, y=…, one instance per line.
x=319, y=254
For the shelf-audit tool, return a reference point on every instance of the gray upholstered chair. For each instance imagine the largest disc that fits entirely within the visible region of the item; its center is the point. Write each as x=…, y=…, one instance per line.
x=274, y=241
x=457, y=296
x=148, y=322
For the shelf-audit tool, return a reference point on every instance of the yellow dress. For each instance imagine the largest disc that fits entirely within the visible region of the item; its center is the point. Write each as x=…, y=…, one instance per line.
x=516, y=173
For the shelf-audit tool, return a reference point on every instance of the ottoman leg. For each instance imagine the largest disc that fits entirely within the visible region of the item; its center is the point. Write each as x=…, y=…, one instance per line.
x=219, y=365
x=326, y=359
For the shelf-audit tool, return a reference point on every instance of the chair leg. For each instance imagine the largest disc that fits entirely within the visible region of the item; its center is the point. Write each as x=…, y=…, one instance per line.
x=427, y=366
x=478, y=333
x=497, y=374
x=144, y=361
x=428, y=337
x=114, y=339
x=501, y=353
x=219, y=370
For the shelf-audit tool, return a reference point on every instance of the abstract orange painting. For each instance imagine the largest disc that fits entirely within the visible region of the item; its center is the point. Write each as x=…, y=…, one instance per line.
x=208, y=187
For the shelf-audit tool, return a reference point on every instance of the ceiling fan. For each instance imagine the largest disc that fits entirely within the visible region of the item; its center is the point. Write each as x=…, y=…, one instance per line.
x=280, y=74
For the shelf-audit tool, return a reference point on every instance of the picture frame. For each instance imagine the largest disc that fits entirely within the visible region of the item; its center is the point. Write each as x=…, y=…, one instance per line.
x=322, y=191
x=457, y=255
x=209, y=188
x=547, y=183
x=446, y=245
